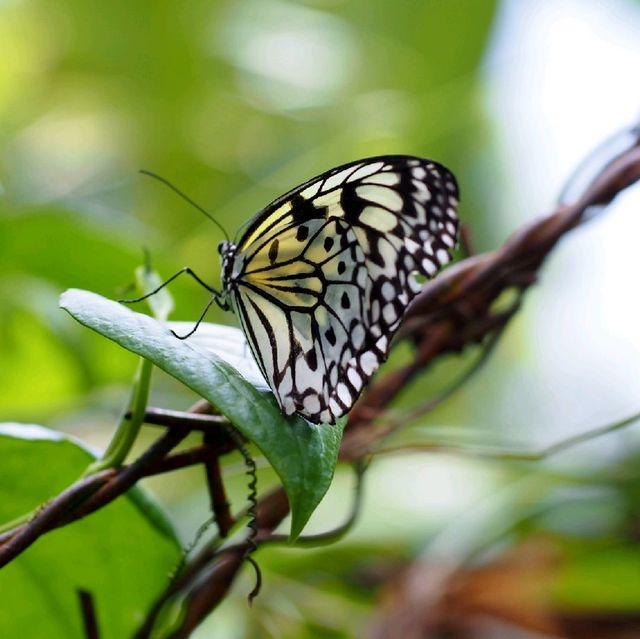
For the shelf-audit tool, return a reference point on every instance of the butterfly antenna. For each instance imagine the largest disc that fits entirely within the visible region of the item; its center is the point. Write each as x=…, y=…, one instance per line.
x=184, y=196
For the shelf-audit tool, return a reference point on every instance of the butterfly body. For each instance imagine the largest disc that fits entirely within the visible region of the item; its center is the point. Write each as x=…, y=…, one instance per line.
x=321, y=277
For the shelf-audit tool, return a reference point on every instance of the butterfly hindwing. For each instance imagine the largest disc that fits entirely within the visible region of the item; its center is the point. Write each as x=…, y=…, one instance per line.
x=322, y=277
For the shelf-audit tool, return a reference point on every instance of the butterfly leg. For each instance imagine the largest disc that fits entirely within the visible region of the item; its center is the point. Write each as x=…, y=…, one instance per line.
x=186, y=270
x=214, y=298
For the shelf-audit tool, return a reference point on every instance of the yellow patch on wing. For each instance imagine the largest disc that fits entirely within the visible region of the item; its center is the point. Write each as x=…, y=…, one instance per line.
x=266, y=228
x=298, y=287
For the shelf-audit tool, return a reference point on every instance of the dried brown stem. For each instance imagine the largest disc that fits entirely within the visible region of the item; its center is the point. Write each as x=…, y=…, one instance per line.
x=179, y=420
x=209, y=576
x=89, y=494
x=218, y=497
x=88, y=612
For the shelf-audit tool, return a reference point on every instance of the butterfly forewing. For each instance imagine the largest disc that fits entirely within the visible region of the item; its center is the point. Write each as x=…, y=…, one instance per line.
x=322, y=276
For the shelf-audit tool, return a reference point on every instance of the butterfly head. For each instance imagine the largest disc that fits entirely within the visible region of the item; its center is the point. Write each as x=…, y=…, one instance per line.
x=227, y=252
x=225, y=247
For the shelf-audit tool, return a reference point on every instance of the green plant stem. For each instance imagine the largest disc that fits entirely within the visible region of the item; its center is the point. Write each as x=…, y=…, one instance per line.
x=130, y=422
x=507, y=455
x=331, y=536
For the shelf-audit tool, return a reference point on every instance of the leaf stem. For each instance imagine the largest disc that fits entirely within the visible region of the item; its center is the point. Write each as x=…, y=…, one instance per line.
x=130, y=422
x=338, y=533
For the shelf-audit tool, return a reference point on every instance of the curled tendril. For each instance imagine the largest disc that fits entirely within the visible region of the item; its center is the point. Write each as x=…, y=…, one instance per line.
x=186, y=551
x=252, y=510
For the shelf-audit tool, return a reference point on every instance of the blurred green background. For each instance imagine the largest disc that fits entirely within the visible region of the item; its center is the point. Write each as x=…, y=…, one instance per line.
x=237, y=101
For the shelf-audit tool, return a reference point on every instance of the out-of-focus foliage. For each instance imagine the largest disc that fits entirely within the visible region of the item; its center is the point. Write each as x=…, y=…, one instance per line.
x=236, y=101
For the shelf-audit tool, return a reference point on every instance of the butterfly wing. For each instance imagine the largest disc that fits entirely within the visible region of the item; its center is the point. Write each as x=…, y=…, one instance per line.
x=322, y=276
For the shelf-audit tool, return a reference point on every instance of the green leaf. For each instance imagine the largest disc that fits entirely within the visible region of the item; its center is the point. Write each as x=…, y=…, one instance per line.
x=303, y=455
x=121, y=554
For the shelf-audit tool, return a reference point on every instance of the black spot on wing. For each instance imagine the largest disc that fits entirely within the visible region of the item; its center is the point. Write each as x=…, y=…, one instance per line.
x=273, y=251
x=351, y=204
x=302, y=233
x=312, y=359
x=303, y=209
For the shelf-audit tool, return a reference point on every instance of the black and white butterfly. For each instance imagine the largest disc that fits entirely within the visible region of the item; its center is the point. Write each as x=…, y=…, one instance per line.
x=322, y=276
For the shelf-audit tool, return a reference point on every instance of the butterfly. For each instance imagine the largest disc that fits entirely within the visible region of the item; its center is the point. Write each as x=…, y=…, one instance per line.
x=321, y=277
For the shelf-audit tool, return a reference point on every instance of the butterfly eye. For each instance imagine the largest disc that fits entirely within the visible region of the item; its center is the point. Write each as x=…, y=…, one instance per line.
x=222, y=247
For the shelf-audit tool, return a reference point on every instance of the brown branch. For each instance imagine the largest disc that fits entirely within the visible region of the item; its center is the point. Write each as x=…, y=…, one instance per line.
x=179, y=420
x=90, y=493
x=84, y=497
x=217, y=495
x=203, y=598
x=209, y=576
x=15, y=541
x=129, y=475
x=190, y=457
x=467, y=244
x=89, y=618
